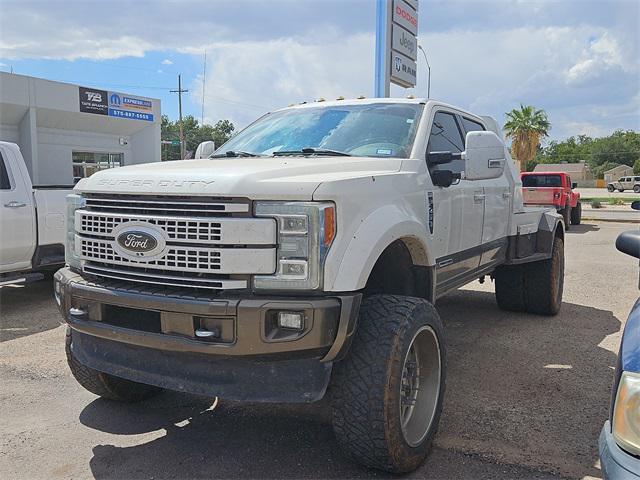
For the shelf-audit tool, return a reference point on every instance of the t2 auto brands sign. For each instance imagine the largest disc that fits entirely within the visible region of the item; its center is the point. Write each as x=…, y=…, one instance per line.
x=93, y=101
x=101, y=102
x=404, y=42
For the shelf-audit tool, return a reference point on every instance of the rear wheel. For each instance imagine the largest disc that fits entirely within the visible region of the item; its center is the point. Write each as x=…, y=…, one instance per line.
x=534, y=287
x=387, y=393
x=636, y=189
x=105, y=385
x=576, y=214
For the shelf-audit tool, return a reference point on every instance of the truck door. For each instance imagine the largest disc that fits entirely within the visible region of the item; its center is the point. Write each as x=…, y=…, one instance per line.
x=497, y=208
x=458, y=208
x=17, y=228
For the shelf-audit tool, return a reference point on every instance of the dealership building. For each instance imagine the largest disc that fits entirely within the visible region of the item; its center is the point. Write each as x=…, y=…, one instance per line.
x=67, y=132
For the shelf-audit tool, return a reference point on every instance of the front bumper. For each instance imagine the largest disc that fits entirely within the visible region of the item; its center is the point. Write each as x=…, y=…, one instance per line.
x=615, y=462
x=149, y=337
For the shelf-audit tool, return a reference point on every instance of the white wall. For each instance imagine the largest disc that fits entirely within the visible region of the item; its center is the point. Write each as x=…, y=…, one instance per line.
x=9, y=133
x=145, y=145
x=55, y=148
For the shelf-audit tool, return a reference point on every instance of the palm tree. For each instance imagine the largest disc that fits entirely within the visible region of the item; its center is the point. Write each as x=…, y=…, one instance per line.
x=526, y=126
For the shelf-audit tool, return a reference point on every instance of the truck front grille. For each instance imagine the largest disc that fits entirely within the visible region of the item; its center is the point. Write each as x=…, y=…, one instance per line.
x=191, y=230
x=167, y=205
x=207, y=241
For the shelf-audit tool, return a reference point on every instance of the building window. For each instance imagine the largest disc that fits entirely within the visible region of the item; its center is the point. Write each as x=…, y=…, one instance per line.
x=87, y=163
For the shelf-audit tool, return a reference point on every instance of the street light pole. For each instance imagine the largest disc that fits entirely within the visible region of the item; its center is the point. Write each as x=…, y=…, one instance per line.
x=429, y=68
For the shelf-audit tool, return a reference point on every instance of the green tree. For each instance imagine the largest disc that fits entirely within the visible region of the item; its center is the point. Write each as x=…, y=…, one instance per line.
x=526, y=126
x=194, y=134
x=601, y=154
x=636, y=167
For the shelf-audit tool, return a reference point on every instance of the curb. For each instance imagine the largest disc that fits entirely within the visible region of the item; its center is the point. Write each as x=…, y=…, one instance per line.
x=613, y=220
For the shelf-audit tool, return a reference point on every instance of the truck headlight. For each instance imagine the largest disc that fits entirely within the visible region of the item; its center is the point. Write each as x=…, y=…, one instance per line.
x=74, y=202
x=305, y=233
x=626, y=413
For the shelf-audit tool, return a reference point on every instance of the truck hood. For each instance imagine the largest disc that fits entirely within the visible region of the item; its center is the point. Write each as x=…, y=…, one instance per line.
x=277, y=178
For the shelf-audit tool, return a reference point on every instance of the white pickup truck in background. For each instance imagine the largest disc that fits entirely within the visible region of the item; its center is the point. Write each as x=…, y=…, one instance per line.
x=32, y=221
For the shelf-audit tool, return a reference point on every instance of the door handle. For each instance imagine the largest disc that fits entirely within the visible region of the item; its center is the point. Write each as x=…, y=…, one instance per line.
x=506, y=194
x=478, y=198
x=15, y=204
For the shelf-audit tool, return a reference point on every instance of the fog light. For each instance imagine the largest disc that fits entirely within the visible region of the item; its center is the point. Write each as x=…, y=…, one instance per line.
x=291, y=320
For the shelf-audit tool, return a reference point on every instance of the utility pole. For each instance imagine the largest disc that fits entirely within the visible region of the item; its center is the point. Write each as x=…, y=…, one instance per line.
x=180, y=91
x=204, y=80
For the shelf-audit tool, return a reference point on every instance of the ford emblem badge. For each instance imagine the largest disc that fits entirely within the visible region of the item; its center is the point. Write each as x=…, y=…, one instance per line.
x=137, y=241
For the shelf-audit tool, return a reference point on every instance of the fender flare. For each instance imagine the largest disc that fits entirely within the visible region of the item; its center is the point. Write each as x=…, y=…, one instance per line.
x=384, y=226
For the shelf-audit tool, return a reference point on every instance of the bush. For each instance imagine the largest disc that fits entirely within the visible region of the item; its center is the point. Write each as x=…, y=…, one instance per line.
x=595, y=204
x=616, y=201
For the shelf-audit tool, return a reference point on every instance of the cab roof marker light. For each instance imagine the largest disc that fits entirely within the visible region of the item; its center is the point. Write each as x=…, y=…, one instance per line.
x=320, y=100
x=340, y=98
x=361, y=97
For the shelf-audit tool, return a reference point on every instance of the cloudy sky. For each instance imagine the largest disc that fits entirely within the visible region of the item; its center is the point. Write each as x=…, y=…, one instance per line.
x=577, y=59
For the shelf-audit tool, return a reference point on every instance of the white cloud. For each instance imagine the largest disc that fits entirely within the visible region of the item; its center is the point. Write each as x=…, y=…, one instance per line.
x=603, y=54
x=488, y=72
x=246, y=79
x=580, y=64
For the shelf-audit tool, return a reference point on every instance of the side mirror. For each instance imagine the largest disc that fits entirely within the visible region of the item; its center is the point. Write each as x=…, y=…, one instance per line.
x=485, y=156
x=444, y=178
x=629, y=243
x=205, y=149
x=635, y=204
x=442, y=158
x=574, y=185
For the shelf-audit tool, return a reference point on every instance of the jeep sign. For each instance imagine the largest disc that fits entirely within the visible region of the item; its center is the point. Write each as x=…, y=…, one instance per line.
x=404, y=42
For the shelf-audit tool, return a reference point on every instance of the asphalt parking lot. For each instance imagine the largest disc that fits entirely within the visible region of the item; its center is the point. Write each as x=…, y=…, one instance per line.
x=526, y=395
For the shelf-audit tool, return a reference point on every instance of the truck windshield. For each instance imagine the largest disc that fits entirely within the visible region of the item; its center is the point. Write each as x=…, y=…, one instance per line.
x=541, y=181
x=374, y=130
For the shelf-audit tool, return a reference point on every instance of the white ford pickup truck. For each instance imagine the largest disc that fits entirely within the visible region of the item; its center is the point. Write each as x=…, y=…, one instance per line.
x=32, y=221
x=305, y=257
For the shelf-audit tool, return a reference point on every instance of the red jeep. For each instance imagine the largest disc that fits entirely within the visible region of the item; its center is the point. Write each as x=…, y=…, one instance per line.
x=553, y=189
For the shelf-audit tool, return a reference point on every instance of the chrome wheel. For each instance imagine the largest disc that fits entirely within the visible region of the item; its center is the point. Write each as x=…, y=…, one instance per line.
x=420, y=386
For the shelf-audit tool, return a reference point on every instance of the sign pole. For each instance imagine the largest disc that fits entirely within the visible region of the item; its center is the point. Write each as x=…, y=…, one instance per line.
x=382, y=64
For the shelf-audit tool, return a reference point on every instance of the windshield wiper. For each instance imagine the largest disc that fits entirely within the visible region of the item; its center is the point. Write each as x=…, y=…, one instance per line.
x=236, y=153
x=312, y=151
